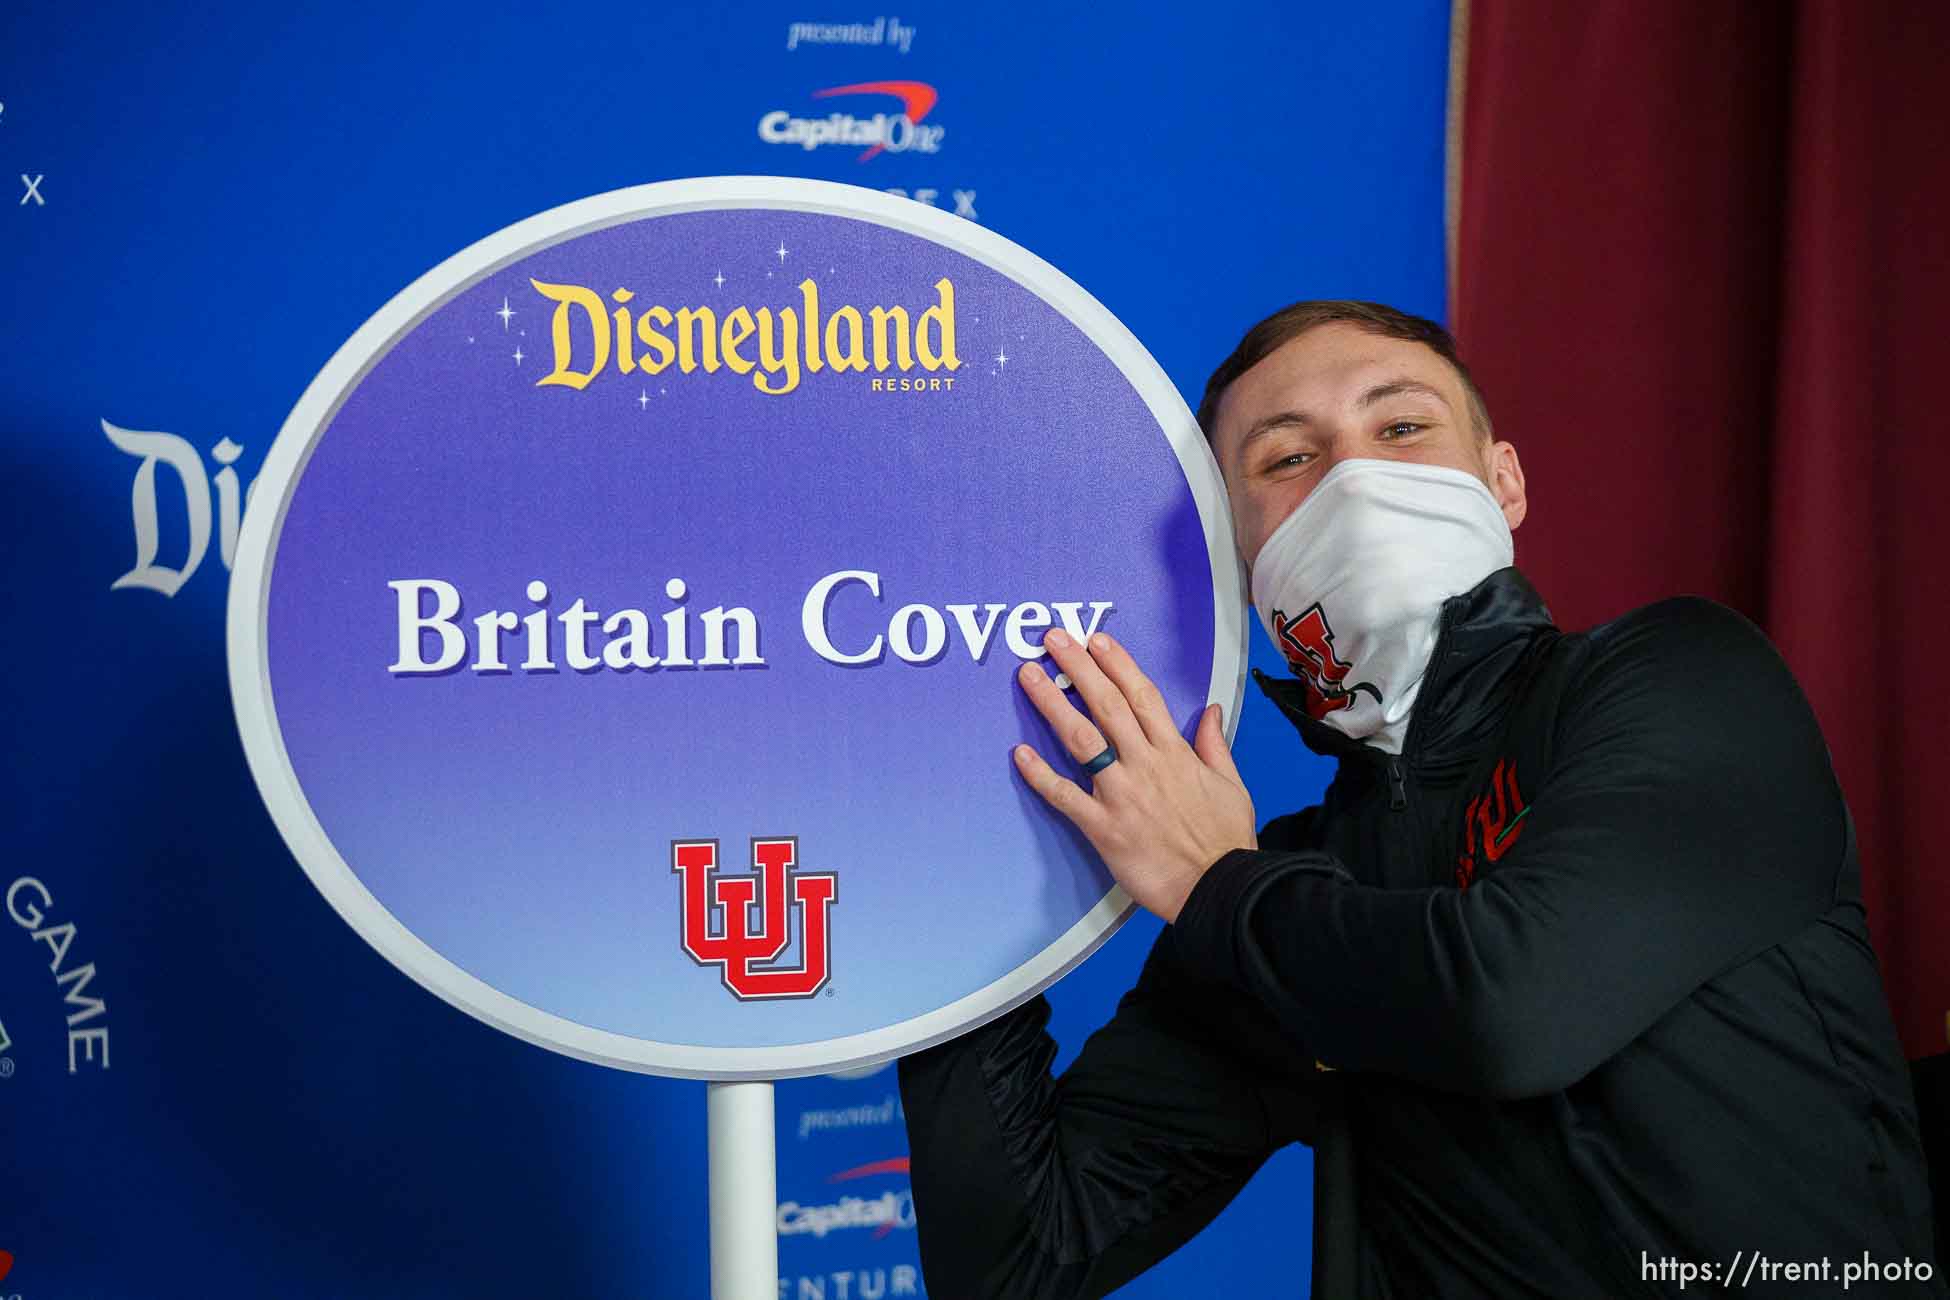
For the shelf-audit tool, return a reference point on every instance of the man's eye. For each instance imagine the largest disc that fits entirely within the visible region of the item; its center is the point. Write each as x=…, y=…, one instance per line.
x=1401, y=429
x=1290, y=461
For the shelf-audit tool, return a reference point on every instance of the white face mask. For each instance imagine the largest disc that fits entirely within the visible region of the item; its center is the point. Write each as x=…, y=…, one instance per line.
x=1350, y=585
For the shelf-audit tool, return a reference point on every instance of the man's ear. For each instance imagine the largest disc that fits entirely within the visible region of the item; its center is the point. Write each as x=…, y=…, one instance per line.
x=1506, y=483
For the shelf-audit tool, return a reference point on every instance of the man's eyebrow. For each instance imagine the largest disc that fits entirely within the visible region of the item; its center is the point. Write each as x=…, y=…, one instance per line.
x=1395, y=388
x=1266, y=424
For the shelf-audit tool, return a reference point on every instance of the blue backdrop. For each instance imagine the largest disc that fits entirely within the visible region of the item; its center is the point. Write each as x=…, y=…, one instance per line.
x=209, y=203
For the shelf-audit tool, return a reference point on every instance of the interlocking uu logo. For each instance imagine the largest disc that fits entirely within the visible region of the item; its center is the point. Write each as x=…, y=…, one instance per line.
x=730, y=945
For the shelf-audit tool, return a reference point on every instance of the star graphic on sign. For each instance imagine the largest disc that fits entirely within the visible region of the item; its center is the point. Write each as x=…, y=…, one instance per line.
x=718, y=279
x=518, y=354
x=643, y=400
x=505, y=312
x=1001, y=359
x=781, y=252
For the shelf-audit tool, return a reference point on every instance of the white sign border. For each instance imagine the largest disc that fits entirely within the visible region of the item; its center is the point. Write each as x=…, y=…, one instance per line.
x=249, y=603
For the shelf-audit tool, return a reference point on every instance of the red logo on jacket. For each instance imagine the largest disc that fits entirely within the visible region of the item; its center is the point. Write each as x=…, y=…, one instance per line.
x=1492, y=823
x=718, y=913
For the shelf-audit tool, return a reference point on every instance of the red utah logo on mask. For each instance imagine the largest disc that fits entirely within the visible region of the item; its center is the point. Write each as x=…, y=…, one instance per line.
x=1308, y=644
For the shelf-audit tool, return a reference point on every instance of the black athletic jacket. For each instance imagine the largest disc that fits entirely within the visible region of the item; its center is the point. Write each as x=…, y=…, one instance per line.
x=1577, y=985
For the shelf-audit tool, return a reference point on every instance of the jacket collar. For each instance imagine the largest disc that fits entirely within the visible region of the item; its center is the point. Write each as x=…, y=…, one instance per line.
x=1482, y=635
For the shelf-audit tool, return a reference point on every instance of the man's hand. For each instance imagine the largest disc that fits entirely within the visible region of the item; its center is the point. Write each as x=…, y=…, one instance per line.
x=1165, y=811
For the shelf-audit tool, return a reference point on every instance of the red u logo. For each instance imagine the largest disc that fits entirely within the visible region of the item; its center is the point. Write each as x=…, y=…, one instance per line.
x=718, y=917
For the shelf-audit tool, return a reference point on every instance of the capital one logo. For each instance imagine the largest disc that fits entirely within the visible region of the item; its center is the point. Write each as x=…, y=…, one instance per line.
x=901, y=132
x=718, y=917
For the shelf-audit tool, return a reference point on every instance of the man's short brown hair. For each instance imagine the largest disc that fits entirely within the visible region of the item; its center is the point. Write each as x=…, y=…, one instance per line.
x=1289, y=323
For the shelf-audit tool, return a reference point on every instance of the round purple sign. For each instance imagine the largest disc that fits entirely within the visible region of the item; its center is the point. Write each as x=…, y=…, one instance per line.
x=623, y=629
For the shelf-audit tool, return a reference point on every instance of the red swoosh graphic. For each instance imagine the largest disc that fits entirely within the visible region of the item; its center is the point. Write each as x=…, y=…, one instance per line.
x=916, y=98
x=6, y=1264
x=897, y=1165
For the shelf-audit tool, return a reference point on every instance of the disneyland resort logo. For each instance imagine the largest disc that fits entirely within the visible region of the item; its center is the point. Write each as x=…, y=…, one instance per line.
x=774, y=350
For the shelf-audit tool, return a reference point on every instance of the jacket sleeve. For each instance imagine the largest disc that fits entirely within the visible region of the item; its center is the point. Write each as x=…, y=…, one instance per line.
x=1031, y=1186
x=1688, y=820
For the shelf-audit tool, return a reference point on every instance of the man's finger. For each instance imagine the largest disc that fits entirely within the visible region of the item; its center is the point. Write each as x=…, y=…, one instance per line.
x=1064, y=795
x=1107, y=704
x=1146, y=701
x=1209, y=742
x=1078, y=734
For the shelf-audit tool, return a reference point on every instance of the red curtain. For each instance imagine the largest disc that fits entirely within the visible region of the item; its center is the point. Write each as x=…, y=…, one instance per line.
x=1701, y=267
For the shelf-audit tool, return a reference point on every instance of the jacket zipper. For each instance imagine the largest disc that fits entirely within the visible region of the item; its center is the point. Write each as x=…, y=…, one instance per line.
x=1397, y=777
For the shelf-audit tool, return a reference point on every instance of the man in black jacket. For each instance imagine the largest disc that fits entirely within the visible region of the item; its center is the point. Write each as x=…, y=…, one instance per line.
x=1566, y=979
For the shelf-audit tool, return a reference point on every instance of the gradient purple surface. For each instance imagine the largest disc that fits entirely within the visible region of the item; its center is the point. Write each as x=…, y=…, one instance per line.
x=520, y=824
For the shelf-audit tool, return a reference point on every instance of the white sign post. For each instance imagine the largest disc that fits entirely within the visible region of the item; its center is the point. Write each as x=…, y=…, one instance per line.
x=744, y=1192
